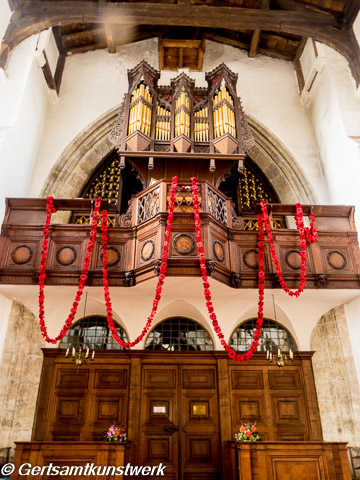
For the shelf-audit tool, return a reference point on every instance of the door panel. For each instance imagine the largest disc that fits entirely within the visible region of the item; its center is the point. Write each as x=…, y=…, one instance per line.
x=179, y=421
x=159, y=419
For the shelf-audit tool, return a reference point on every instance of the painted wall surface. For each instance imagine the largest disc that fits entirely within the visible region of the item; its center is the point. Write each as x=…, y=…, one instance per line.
x=5, y=14
x=96, y=81
x=184, y=296
x=335, y=113
x=24, y=103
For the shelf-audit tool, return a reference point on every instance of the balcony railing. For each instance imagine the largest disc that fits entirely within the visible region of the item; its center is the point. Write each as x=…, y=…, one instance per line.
x=136, y=241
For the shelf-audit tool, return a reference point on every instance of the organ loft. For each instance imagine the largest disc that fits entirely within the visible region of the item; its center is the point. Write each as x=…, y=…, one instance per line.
x=178, y=395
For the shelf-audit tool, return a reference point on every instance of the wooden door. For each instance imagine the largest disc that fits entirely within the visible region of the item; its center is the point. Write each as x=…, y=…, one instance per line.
x=179, y=420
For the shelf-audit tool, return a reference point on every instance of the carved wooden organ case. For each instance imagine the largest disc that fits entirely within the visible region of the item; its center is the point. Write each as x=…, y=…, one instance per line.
x=181, y=119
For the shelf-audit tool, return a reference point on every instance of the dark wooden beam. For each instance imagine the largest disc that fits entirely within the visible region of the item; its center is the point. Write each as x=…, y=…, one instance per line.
x=87, y=48
x=300, y=48
x=74, y=36
x=226, y=40
x=352, y=8
x=254, y=43
x=39, y=15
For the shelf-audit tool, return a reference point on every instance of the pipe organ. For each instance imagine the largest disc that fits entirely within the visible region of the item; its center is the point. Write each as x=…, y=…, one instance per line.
x=182, y=118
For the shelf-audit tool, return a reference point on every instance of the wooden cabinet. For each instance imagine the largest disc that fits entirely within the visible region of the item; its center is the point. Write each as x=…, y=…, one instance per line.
x=77, y=456
x=292, y=460
x=182, y=409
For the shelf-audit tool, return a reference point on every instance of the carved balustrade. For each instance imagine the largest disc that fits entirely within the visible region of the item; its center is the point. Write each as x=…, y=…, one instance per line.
x=136, y=241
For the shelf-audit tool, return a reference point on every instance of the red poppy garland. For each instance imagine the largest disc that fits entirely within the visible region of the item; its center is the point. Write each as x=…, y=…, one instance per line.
x=305, y=234
x=309, y=234
x=83, y=277
x=200, y=246
x=162, y=273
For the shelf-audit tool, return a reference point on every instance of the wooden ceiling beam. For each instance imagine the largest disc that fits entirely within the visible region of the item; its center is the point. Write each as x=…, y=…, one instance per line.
x=36, y=15
x=351, y=11
x=254, y=43
x=71, y=37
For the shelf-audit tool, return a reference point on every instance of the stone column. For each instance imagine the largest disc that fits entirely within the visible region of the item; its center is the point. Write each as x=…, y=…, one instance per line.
x=20, y=371
x=336, y=380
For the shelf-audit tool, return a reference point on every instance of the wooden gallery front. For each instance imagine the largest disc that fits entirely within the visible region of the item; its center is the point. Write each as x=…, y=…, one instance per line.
x=180, y=399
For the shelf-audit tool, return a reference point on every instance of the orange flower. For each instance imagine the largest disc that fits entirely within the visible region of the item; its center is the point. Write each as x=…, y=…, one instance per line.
x=253, y=428
x=242, y=429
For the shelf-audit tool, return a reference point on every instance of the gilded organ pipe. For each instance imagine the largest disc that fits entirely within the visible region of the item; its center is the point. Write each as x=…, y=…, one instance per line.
x=140, y=111
x=223, y=113
x=201, y=125
x=162, y=127
x=182, y=115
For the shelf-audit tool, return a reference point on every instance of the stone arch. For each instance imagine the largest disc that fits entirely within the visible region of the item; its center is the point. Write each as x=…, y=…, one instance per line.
x=84, y=154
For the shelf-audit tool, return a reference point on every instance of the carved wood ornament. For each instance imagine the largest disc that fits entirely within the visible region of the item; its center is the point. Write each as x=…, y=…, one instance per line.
x=181, y=119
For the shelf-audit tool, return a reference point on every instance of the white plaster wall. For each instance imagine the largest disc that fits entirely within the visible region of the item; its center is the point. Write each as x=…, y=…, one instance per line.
x=23, y=101
x=5, y=14
x=335, y=114
x=184, y=296
x=94, y=82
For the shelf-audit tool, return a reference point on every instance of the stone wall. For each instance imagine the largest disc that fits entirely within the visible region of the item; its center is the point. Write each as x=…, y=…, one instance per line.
x=20, y=371
x=336, y=379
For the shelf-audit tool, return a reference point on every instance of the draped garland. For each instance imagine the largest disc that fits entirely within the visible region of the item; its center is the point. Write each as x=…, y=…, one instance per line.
x=83, y=277
x=308, y=234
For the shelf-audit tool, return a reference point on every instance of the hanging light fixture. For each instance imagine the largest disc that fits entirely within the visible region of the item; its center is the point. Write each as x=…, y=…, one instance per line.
x=280, y=359
x=81, y=355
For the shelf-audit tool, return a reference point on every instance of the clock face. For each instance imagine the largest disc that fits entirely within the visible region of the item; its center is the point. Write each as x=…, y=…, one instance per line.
x=184, y=244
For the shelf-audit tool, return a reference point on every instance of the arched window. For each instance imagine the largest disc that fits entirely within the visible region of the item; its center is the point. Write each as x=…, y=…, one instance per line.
x=273, y=335
x=94, y=333
x=179, y=333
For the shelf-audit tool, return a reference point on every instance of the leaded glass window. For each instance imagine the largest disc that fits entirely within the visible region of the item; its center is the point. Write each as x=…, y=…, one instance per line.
x=92, y=332
x=175, y=334
x=273, y=335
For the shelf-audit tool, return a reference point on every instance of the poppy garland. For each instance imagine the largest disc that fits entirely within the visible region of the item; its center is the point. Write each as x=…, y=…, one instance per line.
x=308, y=234
x=50, y=209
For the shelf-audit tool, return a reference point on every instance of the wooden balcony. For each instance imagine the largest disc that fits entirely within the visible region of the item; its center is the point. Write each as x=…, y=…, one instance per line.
x=136, y=241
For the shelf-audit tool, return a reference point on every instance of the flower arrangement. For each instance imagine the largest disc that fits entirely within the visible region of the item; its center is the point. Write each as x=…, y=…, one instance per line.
x=115, y=434
x=247, y=432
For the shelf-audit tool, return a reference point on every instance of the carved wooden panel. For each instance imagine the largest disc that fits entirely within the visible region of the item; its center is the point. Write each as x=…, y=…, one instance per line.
x=65, y=378
x=108, y=410
x=70, y=409
x=21, y=254
x=289, y=379
x=199, y=450
x=106, y=378
x=337, y=259
x=198, y=379
x=65, y=254
x=159, y=378
x=289, y=257
x=289, y=410
x=159, y=448
x=247, y=379
x=299, y=468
